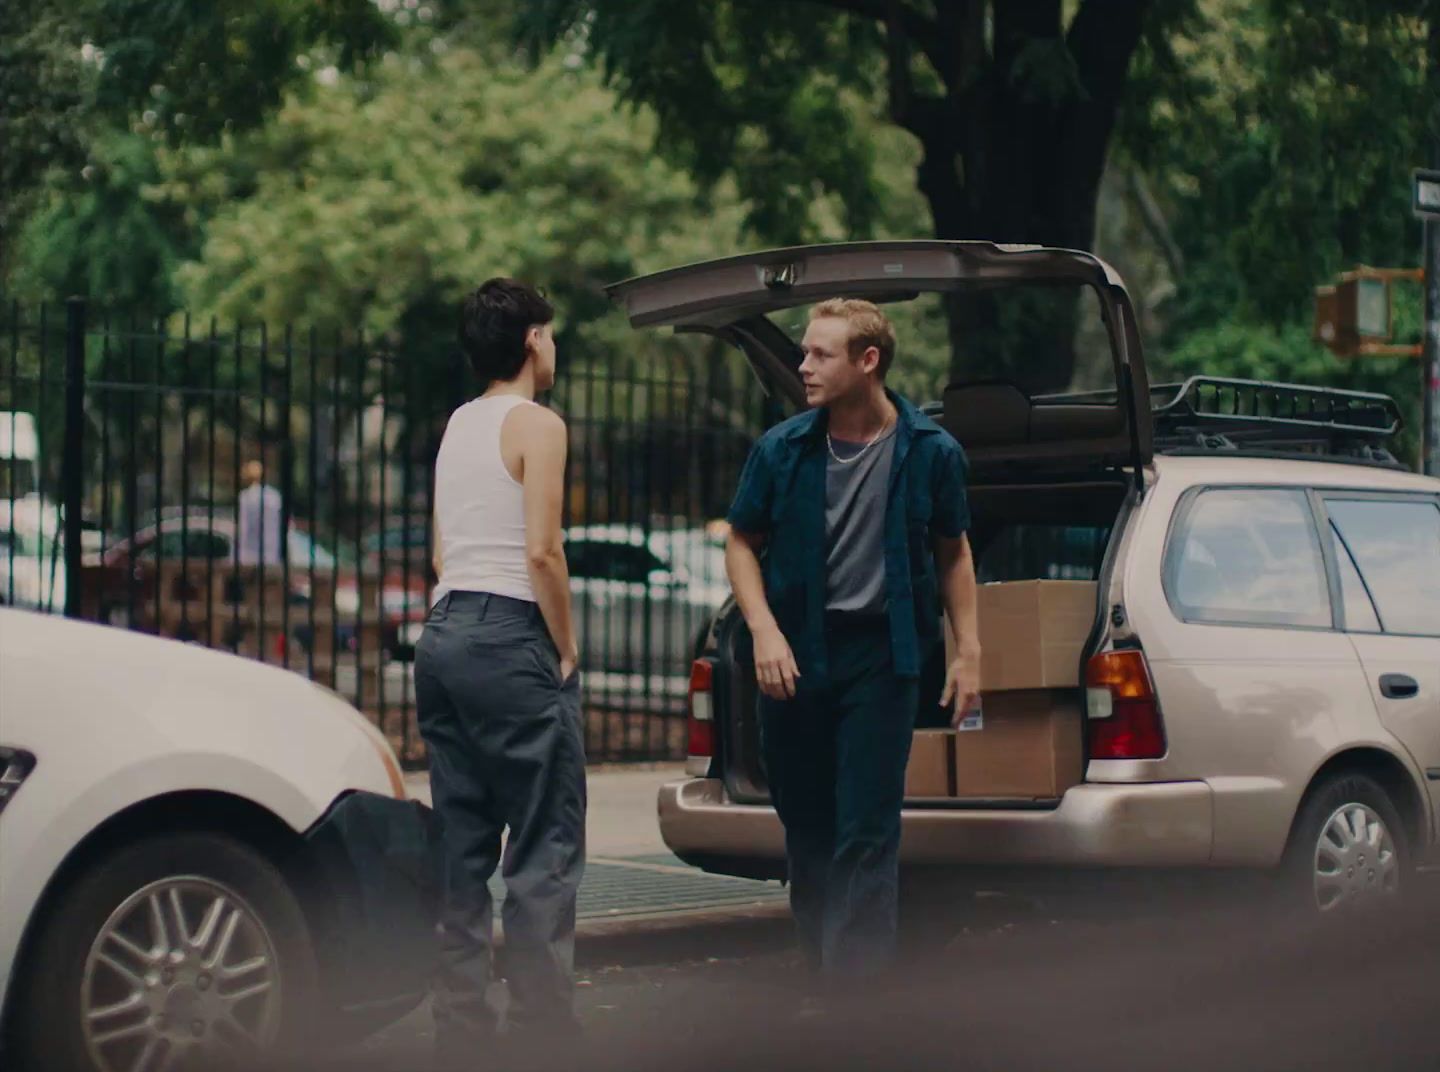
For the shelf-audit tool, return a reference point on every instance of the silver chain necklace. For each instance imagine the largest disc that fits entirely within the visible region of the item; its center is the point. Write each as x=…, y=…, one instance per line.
x=859, y=454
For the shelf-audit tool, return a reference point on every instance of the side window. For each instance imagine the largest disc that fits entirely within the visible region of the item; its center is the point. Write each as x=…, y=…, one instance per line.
x=580, y=559
x=174, y=545
x=1360, y=616
x=1396, y=545
x=602, y=560
x=632, y=564
x=166, y=545
x=1248, y=557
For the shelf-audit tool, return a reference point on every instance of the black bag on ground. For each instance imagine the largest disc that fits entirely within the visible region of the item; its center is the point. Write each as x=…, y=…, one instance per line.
x=378, y=863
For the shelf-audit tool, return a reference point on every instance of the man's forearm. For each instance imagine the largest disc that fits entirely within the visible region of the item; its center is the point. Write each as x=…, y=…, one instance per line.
x=743, y=566
x=957, y=588
x=550, y=579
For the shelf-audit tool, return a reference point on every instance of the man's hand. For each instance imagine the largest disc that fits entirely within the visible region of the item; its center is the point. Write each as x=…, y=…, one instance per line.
x=775, y=668
x=962, y=683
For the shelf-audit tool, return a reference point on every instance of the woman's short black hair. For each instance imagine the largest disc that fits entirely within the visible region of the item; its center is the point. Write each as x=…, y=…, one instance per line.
x=493, y=323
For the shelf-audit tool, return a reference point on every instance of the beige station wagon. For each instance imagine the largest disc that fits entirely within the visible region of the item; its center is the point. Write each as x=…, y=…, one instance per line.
x=1267, y=578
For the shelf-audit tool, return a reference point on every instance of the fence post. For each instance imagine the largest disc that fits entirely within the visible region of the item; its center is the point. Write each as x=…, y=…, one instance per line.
x=72, y=478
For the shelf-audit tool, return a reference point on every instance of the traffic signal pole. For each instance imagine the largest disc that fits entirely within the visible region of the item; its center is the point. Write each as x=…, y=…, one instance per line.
x=1430, y=352
x=1430, y=347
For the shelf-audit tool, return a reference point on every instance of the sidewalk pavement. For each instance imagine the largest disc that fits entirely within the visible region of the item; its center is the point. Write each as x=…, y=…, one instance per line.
x=633, y=885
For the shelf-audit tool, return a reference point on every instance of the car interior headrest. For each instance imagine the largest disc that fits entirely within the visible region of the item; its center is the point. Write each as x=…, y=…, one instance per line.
x=987, y=413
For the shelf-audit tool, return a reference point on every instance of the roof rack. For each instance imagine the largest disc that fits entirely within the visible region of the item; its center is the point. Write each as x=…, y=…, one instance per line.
x=1218, y=413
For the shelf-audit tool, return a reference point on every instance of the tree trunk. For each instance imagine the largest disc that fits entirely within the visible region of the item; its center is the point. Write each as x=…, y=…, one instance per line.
x=1013, y=155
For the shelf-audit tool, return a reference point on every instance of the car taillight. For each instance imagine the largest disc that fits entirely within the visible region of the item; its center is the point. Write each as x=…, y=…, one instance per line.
x=702, y=711
x=1123, y=716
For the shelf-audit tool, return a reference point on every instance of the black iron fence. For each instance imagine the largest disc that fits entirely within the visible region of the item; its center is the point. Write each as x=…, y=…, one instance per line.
x=270, y=494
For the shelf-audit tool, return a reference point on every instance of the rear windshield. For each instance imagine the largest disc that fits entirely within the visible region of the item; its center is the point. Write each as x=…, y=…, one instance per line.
x=1045, y=338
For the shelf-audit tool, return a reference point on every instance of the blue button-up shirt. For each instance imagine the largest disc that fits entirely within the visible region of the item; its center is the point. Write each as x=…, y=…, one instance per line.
x=782, y=497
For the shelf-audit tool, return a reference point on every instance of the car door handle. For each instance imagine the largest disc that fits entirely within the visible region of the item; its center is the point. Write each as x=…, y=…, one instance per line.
x=1398, y=686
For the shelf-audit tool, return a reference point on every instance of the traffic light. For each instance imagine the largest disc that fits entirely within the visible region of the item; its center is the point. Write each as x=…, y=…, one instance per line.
x=1353, y=317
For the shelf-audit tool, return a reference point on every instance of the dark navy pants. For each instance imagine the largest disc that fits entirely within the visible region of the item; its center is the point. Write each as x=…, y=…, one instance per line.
x=506, y=749
x=835, y=758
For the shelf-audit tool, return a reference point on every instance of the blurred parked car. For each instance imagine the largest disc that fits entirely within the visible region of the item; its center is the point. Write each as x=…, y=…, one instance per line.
x=398, y=548
x=187, y=878
x=32, y=565
x=643, y=601
x=201, y=538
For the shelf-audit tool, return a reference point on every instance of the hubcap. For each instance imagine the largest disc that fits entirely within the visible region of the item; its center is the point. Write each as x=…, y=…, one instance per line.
x=183, y=973
x=1355, y=860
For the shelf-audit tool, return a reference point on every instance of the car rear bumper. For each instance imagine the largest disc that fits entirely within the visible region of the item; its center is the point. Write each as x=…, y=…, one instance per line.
x=1165, y=824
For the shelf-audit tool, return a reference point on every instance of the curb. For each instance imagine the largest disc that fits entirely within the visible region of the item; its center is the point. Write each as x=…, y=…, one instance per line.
x=667, y=937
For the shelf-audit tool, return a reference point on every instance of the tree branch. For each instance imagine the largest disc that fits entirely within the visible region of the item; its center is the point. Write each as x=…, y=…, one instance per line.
x=897, y=48
x=918, y=28
x=1102, y=39
x=916, y=25
x=929, y=118
x=1155, y=223
x=1103, y=36
x=959, y=48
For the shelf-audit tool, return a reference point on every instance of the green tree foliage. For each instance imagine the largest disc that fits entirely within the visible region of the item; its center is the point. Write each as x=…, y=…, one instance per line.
x=110, y=236
x=78, y=78
x=1012, y=104
x=1279, y=139
x=482, y=169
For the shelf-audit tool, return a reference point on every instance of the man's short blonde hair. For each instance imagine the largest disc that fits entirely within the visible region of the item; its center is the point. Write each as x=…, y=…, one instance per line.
x=868, y=327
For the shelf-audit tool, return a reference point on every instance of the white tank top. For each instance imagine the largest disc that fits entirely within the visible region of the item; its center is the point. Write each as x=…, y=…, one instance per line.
x=479, y=506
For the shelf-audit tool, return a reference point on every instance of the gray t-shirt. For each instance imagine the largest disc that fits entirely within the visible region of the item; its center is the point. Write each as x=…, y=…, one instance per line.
x=855, y=525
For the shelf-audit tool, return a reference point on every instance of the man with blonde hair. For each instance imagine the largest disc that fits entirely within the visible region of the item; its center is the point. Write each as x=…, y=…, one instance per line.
x=878, y=489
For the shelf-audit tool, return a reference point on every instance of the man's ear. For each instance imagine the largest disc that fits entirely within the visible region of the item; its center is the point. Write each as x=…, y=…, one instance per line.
x=870, y=359
x=532, y=339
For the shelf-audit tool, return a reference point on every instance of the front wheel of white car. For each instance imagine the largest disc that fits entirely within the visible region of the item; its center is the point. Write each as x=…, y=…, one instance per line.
x=178, y=951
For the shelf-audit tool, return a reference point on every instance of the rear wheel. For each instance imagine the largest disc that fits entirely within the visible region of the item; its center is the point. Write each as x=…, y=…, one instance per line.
x=1350, y=849
x=182, y=950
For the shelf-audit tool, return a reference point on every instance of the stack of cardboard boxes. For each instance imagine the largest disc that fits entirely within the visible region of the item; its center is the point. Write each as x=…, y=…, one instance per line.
x=1023, y=741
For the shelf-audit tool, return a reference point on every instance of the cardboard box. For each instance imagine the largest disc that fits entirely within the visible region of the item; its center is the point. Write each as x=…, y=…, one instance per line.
x=931, y=772
x=1032, y=633
x=1026, y=745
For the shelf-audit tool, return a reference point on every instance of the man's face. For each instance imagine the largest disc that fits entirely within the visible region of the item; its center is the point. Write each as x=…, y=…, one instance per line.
x=828, y=371
x=542, y=352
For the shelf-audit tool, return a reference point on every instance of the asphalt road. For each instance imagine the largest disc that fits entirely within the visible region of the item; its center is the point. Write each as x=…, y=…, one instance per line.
x=1147, y=980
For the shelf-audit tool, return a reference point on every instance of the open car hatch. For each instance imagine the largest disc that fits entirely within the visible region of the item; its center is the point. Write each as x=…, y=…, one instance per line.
x=1003, y=415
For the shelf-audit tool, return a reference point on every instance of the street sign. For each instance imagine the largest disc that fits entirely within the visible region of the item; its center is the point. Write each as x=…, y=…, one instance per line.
x=1427, y=194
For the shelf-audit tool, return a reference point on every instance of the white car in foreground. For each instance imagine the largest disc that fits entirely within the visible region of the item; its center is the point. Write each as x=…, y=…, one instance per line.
x=179, y=870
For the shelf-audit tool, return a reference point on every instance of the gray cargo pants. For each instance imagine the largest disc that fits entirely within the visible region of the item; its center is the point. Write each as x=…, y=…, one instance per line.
x=506, y=749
